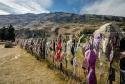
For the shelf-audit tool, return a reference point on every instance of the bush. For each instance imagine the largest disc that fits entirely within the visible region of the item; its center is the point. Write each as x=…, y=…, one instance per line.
x=87, y=31
x=83, y=39
x=7, y=33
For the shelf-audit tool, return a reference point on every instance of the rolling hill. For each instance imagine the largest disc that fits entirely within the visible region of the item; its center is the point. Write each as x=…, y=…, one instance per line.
x=38, y=20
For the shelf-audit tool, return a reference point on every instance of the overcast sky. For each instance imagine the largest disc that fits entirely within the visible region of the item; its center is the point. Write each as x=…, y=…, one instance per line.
x=101, y=7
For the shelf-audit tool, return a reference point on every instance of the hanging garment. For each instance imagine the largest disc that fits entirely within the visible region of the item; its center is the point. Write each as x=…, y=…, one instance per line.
x=122, y=71
x=115, y=41
x=44, y=48
x=97, y=40
x=47, y=48
x=64, y=47
x=75, y=64
x=109, y=50
x=68, y=47
x=54, y=44
x=58, y=50
x=91, y=77
x=111, y=60
x=73, y=48
x=51, y=46
x=111, y=55
x=59, y=45
x=122, y=44
x=104, y=44
x=122, y=76
x=86, y=47
x=78, y=44
x=59, y=56
x=41, y=49
x=111, y=74
x=90, y=58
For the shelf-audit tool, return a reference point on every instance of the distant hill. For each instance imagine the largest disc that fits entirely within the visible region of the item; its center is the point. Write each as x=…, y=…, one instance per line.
x=38, y=21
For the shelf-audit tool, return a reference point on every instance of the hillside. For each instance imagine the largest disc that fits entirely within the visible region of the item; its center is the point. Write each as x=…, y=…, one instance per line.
x=30, y=25
x=38, y=21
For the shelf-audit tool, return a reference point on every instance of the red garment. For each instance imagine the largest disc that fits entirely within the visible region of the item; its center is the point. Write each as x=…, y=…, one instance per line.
x=58, y=56
x=59, y=45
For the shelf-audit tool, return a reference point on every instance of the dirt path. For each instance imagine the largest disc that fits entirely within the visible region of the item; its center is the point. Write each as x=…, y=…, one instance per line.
x=19, y=67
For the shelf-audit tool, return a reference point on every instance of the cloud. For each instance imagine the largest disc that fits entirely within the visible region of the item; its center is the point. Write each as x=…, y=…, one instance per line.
x=106, y=7
x=3, y=12
x=24, y=6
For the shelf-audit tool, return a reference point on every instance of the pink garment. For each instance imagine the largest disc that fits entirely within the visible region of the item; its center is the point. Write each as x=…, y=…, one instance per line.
x=90, y=58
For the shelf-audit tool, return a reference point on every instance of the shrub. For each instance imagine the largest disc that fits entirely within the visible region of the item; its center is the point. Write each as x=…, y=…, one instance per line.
x=87, y=31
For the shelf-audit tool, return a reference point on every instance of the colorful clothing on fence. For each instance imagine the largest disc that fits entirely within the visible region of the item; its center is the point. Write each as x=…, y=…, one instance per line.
x=90, y=59
x=58, y=55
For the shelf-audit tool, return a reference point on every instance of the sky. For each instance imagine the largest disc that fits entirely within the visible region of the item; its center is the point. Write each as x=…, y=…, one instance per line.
x=100, y=7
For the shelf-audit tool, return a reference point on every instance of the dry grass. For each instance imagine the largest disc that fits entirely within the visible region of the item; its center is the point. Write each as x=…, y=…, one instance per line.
x=19, y=67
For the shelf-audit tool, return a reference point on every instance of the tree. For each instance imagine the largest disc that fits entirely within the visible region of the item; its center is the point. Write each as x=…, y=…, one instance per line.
x=11, y=34
x=3, y=30
x=7, y=33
